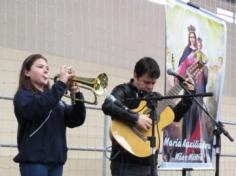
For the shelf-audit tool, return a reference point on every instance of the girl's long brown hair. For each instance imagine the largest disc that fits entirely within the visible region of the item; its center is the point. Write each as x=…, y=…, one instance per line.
x=25, y=81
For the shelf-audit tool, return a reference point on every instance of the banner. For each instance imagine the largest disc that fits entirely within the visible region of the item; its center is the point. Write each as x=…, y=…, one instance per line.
x=193, y=36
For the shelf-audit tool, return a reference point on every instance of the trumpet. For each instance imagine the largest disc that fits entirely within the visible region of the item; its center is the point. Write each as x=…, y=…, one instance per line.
x=97, y=86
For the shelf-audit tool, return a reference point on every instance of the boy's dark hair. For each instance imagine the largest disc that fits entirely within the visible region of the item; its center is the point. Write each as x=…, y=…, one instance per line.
x=147, y=65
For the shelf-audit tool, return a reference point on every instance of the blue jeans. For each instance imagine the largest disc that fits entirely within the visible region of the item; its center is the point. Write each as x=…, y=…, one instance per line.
x=34, y=169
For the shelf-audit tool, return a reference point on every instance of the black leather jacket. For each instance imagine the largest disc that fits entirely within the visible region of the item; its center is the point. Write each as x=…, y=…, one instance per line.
x=123, y=92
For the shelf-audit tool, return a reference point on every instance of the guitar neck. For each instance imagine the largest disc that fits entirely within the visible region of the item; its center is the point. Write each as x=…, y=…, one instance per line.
x=169, y=102
x=193, y=70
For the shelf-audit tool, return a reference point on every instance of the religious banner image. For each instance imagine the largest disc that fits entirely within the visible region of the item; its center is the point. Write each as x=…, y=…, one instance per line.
x=195, y=45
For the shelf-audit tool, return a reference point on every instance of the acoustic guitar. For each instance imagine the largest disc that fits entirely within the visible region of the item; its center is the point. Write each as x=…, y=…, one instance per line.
x=136, y=141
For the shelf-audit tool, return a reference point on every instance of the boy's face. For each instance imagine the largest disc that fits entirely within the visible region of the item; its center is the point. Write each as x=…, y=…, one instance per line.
x=144, y=83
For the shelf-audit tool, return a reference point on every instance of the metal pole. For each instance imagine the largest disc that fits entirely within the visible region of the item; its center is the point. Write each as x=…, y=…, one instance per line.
x=105, y=143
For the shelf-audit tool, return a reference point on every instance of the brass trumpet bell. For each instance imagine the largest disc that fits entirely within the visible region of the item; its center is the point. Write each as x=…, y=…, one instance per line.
x=97, y=86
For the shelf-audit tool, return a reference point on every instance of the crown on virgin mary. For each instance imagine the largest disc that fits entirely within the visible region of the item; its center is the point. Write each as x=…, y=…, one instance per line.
x=191, y=28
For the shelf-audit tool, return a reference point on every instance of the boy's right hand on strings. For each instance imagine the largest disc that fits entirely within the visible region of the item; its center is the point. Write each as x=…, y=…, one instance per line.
x=144, y=122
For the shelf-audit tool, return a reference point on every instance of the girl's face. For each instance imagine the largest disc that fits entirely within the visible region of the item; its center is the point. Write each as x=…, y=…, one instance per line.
x=38, y=74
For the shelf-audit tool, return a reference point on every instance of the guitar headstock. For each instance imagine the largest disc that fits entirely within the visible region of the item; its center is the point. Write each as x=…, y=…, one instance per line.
x=195, y=68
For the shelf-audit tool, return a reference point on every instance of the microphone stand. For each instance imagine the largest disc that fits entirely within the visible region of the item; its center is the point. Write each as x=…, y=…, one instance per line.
x=152, y=138
x=153, y=101
x=217, y=132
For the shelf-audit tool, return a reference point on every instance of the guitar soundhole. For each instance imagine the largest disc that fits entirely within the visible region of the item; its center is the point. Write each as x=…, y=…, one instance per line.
x=139, y=133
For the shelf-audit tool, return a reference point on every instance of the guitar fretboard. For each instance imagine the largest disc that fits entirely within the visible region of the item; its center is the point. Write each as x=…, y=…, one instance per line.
x=193, y=70
x=169, y=102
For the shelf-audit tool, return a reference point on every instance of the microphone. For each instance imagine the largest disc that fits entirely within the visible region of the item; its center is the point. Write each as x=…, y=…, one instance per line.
x=180, y=78
x=114, y=100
